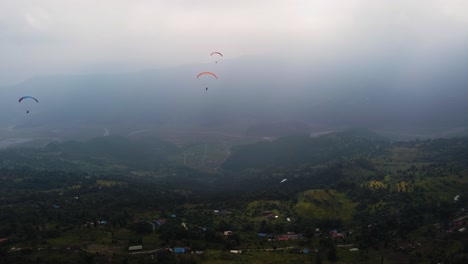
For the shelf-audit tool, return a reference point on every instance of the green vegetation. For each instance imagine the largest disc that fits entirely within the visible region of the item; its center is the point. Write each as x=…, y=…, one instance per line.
x=325, y=204
x=87, y=202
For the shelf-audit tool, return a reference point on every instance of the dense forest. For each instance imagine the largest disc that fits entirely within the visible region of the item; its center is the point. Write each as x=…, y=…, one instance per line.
x=345, y=197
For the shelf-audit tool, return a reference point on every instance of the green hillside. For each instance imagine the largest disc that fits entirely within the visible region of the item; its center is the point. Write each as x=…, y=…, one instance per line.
x=296, y=150
x=83, y=202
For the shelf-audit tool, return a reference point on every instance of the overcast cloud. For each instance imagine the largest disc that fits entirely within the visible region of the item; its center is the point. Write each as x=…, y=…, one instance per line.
x=80, y=36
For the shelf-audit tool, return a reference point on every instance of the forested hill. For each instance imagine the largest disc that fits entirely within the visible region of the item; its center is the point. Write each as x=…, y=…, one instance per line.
x=100, y=196
x=300, y=149
x=112, y=153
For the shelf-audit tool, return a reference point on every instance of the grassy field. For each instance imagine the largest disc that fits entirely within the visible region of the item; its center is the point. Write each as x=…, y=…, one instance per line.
x=323, y=204
x=377, y=184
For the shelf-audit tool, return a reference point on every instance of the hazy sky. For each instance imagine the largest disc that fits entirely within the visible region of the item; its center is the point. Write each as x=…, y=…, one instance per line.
x=83, y=36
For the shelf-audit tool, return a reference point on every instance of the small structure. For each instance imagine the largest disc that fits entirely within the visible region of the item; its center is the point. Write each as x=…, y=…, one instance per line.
x=160, y=222
x=462, y=221
x=289, y=236
x=288, y=219
x=137, y=247
x=270, y=217
x=335, y=234
x=236, y=251
x=353, y=249
x=455, y=199
x=262, y=234
x=173, y=215
x=305, y=251
x=179, y=250
x=227, y=233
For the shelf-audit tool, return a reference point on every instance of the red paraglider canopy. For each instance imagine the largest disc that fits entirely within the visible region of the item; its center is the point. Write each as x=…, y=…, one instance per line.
x=210, y=73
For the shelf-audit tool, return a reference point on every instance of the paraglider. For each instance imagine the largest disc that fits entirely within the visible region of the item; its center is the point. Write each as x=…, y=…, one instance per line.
x=206, y=82
x=217, y=54
x=27, y=97
x=207, y=73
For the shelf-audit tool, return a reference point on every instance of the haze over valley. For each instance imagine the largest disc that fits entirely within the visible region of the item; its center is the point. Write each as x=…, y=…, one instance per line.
x=246, y=131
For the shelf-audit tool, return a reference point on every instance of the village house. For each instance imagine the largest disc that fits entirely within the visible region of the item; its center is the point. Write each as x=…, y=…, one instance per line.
x=290, y=236
x=179, y=250
x=137, y=247
x=462, y=221
x=270, y=217
x=160, y=222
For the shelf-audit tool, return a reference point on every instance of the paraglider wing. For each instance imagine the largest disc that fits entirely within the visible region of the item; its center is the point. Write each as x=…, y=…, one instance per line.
x=210, y=73
x=219, y=53
x=25, y=97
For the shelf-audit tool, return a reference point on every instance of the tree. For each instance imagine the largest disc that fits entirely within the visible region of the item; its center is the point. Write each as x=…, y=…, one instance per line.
x=165, y=256
x=332, y=255
x=318, y=258
x=142, y=228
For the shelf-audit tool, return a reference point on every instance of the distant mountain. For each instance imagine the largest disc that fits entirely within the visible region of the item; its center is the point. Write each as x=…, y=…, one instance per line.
x=141, y=153
x=262, y=93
